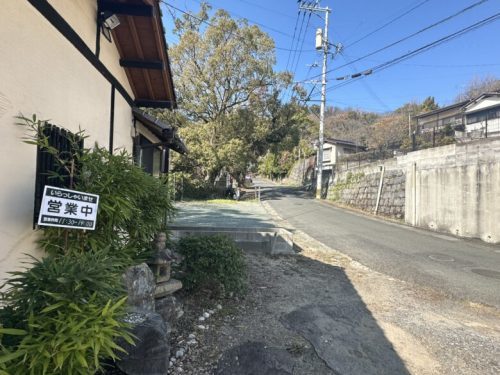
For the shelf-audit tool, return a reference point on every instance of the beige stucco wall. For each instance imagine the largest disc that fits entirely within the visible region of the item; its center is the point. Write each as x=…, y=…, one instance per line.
x=42, y=73
x=82, y=15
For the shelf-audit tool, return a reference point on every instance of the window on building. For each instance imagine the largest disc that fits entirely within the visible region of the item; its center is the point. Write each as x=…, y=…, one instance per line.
x=50, y=170
x=476, y=117
x=327, y=154
x=152, y=158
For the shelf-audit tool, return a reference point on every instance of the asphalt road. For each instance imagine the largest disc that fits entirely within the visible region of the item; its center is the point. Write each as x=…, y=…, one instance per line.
x=460, y=268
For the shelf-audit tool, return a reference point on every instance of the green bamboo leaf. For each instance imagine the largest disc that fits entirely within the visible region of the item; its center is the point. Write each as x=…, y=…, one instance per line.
x=53, y=307
x=106, y=308
x=81, y=359
x=11, y=356
x=13, y=331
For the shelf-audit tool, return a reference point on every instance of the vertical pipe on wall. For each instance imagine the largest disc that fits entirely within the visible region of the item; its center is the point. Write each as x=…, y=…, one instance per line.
x=382, y=170
x=112, y=119
x=414, y=193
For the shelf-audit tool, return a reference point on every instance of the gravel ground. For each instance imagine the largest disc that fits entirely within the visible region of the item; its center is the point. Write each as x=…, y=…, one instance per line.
x=421, y=331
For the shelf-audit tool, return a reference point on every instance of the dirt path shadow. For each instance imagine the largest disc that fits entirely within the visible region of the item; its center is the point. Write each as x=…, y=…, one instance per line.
x=300, y=316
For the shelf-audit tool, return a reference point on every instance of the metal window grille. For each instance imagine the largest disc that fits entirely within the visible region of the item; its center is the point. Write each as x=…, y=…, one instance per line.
x=48, y=170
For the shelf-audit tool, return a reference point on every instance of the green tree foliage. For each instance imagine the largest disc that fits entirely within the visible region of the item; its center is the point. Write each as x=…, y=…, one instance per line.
x=429, y=104
x=221, y=67
x=230, y=112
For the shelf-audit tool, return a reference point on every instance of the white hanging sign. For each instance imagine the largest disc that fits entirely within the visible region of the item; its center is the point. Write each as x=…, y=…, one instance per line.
x=68, y=209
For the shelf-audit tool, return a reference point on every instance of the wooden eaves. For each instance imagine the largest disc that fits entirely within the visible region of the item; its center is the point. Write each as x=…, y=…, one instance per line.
x=143, y=52
x=165, y=133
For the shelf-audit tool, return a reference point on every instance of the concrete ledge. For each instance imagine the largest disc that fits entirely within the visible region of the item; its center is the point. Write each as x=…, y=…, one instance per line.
x=273, y=241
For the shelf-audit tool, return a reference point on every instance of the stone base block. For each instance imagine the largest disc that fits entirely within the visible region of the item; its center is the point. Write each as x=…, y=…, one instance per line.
x=167, y=288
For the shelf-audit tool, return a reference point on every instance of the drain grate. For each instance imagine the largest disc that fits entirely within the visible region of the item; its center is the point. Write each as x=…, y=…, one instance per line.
x=486, y=273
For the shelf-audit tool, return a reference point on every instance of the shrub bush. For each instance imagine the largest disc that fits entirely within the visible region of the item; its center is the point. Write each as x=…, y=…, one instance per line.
x=75, y=276
x=62, y=315
x=212, y=260
x=133, y=208
x=133, y=205
x=66, y=338
x=66, y=311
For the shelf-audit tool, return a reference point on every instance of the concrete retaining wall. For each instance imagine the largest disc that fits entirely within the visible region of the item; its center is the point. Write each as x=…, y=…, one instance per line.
x=453, y=189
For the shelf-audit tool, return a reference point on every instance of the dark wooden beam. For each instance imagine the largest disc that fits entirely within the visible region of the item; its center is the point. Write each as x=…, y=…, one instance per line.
x=142, y=64
x=154, y=103
x=126, y=9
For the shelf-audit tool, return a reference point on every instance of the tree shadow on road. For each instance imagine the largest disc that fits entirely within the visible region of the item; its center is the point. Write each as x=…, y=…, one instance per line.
x=298, y=298
x=280, y=192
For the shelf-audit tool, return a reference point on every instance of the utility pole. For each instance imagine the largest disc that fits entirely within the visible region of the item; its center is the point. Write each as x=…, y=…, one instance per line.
x=321, y=44
x=409, y=124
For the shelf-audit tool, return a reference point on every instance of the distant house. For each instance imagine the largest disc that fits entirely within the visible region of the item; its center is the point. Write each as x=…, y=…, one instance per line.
x=333, y=149
x=482, y=115
x=85, y=64
x=476, y=118
x=441, y=118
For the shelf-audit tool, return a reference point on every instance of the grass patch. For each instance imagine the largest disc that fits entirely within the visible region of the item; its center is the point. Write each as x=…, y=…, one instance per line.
x=222, y=201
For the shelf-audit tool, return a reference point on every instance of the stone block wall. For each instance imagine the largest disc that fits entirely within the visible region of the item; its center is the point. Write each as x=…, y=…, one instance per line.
x=302, y=171
x=359, y=188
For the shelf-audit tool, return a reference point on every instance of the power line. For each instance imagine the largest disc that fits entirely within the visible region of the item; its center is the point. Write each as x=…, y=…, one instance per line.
x=418, y=32
x=296, y=52
x=409, y=36
x=422, y=49
x=282, y=94
x=387, y=24
x=255, y=22
x=292, y=49
x=366, y=85
x=301, y=46
x=210, y=24
x=435, y=65
x=274, y=11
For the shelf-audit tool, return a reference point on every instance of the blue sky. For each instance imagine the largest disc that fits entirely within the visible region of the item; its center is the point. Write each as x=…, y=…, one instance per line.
x=441, y=72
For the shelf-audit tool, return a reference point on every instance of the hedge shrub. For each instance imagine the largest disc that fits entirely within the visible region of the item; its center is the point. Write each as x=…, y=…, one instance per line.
x=212, y=260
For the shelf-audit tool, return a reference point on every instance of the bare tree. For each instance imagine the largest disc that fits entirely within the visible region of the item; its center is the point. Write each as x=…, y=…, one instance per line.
x=478, y=86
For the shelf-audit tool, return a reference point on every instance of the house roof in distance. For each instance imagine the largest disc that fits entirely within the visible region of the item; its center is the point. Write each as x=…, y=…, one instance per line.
x=343, y=142
x=481, y=97
x=165, y=133
x=140, y=41
x=458, y=106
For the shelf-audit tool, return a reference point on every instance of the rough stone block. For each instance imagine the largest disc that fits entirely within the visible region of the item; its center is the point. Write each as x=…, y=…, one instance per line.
x=169, y=308
x=140, y=285
x=151, y=352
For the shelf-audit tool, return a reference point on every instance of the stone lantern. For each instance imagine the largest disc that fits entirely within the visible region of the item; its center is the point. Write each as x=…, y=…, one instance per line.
x=161, y=265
